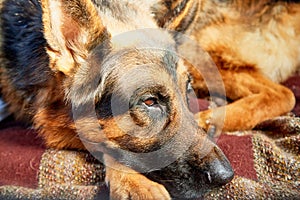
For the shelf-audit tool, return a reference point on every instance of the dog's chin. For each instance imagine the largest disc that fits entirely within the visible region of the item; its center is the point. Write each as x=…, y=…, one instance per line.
x=184, y=184
x=189, y=193
x=186, y=180
x=185, y=189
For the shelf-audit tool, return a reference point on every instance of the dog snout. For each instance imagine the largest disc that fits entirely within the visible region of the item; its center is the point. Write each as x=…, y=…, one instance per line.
x=218, y=170
x=212, y=165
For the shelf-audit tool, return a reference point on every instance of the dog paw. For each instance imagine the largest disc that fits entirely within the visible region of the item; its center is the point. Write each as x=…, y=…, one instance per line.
x=134, y=186
x=211, y=122
x=202, y=119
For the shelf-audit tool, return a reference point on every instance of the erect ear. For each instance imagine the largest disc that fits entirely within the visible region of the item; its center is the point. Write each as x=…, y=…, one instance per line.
x=72, y=28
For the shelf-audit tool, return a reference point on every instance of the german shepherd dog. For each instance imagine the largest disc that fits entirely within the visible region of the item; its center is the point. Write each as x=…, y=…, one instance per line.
x=63, y=68
x=255, y=45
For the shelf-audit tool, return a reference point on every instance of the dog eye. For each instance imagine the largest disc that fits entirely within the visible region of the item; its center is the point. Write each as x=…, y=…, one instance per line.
x=151, y=101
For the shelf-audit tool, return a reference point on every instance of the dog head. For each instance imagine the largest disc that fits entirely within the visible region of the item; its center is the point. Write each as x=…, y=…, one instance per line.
x=129, y=95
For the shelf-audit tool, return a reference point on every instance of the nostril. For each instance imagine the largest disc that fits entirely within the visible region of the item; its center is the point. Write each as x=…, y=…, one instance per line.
x=215, y=169
x=208, y=177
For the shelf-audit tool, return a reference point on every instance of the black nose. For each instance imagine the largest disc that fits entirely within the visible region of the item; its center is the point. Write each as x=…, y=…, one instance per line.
x=218, y=171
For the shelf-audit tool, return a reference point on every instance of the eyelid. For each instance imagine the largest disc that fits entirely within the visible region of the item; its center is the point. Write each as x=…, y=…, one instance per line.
x=147, y=97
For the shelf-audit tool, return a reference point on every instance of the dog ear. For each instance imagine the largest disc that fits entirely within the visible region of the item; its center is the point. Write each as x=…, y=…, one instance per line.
x=72, y=28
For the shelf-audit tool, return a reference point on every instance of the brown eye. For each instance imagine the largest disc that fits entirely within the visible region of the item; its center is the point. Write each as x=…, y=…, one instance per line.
x=150, y=101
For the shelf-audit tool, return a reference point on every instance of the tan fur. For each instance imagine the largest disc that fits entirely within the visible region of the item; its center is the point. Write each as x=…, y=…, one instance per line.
x=81, y=34
x=87, y=63
x=70, y=41
x=269, y=41
x=255, y=45
x=124, y=180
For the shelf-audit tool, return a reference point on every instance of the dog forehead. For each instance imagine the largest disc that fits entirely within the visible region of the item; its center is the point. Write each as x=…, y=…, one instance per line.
x=146, y=70
x=144, y=39
x=142, y=50
x=132, y=70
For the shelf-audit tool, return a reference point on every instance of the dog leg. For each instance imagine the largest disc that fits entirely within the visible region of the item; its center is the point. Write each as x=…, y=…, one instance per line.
x=125, y=183
x=256, y=99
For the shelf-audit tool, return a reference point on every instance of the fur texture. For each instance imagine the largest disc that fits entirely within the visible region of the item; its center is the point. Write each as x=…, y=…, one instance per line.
x=255, y=45
x=62, y=61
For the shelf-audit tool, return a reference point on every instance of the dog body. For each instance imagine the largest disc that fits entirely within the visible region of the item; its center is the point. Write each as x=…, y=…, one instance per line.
x=81, y=73
x=255, y=45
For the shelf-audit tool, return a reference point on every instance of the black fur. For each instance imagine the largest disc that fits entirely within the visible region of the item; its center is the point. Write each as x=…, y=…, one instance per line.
x=24, y=44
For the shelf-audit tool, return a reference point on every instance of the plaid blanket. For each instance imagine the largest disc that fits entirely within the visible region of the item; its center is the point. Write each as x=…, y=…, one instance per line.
x=266, y=162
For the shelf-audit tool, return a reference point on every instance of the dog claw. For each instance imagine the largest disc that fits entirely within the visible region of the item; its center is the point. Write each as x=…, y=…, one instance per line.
x=211, y=132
